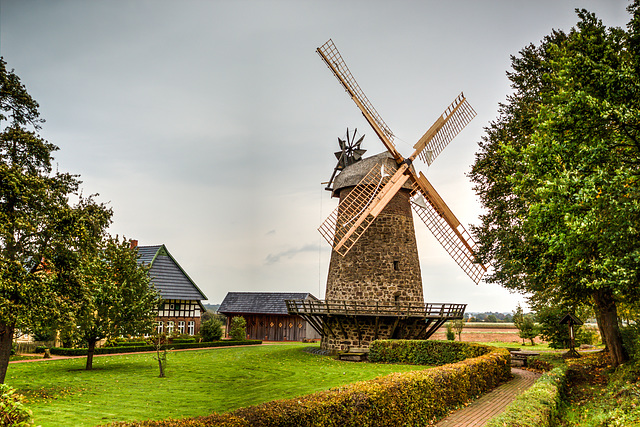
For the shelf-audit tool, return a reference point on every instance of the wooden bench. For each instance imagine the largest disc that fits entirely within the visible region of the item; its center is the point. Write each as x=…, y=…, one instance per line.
x=355, y=355
x=520, y=357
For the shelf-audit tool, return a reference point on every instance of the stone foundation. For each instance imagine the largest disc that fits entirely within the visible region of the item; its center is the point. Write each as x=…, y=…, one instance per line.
x=351, y=333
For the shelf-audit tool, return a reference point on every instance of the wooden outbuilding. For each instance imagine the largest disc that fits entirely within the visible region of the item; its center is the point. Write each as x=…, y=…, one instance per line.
x=267, y=316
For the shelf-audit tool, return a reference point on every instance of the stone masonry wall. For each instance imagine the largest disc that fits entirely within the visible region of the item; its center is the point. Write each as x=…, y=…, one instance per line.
x=383, y=265
x=348, y=333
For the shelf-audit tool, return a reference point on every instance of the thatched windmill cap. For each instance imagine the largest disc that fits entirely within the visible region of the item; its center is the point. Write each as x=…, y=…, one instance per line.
x=353, y=174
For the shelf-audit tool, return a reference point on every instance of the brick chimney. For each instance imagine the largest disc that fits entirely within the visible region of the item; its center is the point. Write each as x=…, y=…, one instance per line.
x=134, y=244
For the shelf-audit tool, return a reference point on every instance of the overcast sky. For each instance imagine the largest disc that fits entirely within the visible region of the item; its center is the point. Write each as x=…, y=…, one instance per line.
x=209, y=126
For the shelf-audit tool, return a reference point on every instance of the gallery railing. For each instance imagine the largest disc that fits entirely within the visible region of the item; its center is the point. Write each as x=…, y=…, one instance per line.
x=374, y=308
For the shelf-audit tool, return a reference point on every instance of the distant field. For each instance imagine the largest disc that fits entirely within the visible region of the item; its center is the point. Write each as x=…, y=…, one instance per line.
x=487, y=325
x=488, y=333
x=199, y=382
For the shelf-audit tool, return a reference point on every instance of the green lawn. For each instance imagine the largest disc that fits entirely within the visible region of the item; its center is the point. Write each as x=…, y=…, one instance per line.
x=198, y=382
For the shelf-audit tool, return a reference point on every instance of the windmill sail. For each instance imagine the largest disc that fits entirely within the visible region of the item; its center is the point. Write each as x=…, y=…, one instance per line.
x=360, y=207
x=455, y=117
x=446, y=228
x=330, y=55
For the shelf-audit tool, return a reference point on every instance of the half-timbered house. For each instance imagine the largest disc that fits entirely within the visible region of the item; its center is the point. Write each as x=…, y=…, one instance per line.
x=267, y=317
x=181, y=305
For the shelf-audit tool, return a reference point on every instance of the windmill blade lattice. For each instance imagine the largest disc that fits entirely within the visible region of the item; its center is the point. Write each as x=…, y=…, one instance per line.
x=331, y=56
x=455, y=117
x=451, y=234
x=344, y=226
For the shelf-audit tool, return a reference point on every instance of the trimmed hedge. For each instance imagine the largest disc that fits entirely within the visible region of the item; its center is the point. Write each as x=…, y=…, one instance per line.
x=127, y=344
x=420, y=352
x=538, y=406
x=40, y=348
x=182, y=340
x=134, y=349
x=407, y=399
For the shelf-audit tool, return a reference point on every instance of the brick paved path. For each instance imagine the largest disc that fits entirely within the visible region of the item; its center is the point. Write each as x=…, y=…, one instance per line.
x=480, y=411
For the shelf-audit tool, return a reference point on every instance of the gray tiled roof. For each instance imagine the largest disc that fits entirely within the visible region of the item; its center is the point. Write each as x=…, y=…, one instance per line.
x=169, y=279
x=259, y=302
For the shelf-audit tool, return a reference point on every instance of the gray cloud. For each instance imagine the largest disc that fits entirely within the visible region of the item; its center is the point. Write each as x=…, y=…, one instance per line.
x=289, y=253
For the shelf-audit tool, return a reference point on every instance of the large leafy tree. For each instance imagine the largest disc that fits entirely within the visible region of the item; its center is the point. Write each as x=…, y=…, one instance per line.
x=41, y=231
x=118, y=299
x=558, y=172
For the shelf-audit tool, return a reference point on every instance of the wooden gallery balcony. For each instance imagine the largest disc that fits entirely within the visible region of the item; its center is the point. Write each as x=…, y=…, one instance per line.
x=434, y=314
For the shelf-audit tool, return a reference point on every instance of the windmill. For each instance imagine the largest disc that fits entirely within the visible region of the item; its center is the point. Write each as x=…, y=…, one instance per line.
x=374, y=288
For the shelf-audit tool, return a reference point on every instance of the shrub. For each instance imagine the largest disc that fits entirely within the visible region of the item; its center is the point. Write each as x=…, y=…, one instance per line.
x=238, y=328
x=557, y=335
x=211, y=330
x=12, y=412
x=458, y=326
x=40, y=348
x=631, y=340
x=527, y=330
x=538, y=406
x=450, y=334
x=587, y=335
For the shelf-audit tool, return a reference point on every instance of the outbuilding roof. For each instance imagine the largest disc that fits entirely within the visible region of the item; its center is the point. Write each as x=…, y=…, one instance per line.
x=168, y=278
x=259, y=302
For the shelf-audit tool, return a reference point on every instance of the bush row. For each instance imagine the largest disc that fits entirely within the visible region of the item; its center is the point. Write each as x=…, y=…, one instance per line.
x=538, y=406
x=420, y=352
x=127, y=344
x=183, y=340
x=407, y=398
x=133, y=349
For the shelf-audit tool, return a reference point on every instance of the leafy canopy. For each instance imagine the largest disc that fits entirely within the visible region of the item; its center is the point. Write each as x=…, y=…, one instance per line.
x=558, y=171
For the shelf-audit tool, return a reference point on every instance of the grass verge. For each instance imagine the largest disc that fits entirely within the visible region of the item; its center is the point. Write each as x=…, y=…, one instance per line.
x=599, y=395
x=198, y=382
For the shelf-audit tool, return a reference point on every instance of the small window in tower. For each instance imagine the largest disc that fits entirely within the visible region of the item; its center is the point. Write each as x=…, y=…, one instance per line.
x=396, y=265
x=396, y=298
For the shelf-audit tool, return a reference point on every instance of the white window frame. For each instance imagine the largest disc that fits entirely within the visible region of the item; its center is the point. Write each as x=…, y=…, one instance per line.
x=160, y=327
x=170, y=326
x=191, y=327
x=181, y=326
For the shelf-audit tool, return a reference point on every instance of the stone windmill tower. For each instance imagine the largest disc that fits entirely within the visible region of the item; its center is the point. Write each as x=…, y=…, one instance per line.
x=374, y=286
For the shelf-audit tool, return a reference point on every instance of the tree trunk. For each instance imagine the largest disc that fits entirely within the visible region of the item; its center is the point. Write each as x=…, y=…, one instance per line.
x=161, y=360
x=91, y=350
x=607, y=314
x=6, y=341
